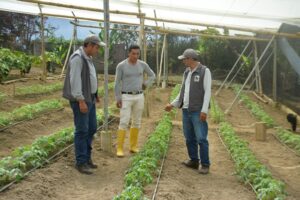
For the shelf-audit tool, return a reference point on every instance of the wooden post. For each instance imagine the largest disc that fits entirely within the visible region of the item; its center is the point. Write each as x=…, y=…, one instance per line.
x=44, y=75
x=157, y=45
x=106, y=141
x=164, y=83
x=68, y=54
x=275, y=71
x=106, y=136
x=257, y=73
x=260, y=131
x=161, y=62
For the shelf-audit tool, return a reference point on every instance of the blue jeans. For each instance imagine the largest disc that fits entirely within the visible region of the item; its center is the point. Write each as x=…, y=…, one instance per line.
x=85, y=128
x=195, y=132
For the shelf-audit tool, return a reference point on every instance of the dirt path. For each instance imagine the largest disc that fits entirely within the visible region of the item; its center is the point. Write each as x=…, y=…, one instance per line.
x=45, y=124
x=60, y=180
x=178, y=182
x=282, y=163
x=278, y=115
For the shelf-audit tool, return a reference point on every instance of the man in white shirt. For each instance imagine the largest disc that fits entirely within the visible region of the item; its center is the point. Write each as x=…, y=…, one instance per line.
x=194, y=100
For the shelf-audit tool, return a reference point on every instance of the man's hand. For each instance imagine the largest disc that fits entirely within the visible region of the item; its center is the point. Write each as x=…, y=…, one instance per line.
x=97, y=99
x=168, y=107
x=119, y=104
x=82, y=106
x=203, y=116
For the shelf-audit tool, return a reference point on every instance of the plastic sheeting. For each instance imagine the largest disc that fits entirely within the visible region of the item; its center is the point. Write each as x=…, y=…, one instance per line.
x=258, y=14
x=290, y=54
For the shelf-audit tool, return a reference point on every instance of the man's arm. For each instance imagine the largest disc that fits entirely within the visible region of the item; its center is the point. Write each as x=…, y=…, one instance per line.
x=207, y=91
x=118, y=80
x=151, y=75
x=75, y=81
x=75, y=78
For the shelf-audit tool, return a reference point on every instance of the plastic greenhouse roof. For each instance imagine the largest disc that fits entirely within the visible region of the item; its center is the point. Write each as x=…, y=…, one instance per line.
x=242, y=15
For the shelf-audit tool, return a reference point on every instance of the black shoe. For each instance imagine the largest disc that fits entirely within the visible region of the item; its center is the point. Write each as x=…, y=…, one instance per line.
x=84, y=169
x=204, y=170
x=191, y=164
x=91, y=165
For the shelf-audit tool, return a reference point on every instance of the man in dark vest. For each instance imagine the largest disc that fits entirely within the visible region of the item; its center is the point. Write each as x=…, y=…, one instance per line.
x=194, y=100
x=80, y=88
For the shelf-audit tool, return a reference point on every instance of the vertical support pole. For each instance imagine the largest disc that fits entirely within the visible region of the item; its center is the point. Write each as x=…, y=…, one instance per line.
x=42, y=33
x=74, y=32
x=235, y=64
x=142, y=38
x=161, y=62
x=68, y=54
x=257, y=73
x=275, y=71
x=106, y=56
x=157, y=45
x=164, y=83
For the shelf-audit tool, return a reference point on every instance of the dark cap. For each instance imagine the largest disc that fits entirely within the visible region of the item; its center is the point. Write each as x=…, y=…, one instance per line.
x=189, y=53
x=94, y=40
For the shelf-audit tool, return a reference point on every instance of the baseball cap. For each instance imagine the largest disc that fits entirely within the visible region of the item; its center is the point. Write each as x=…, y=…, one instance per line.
x=189, y=53
x=94, y=39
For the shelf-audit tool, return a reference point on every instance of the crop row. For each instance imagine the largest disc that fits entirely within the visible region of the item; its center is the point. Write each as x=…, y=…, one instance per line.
x=247, y=166
x=285, y=136
x=144, y=164
x=29, y=111
x=27, y=157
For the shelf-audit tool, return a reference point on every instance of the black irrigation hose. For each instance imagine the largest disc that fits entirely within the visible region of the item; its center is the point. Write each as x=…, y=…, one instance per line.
x=282, y=143
x=49, y=159
x=160, y=170
x=19, y=122
x=247, y=182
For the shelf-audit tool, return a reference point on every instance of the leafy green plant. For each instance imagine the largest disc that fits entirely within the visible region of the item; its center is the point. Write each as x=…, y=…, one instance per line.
x=110, y=87
x=217, y=114
x=39, y=89
x=289, y=138
x=255, y=109
x=29, y=111
x=27, y=157
x=143, y=165
x=14, y=59
x=2, y=95
x=249, y=168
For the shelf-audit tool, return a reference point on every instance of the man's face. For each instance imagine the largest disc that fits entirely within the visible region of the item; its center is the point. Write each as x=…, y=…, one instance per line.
x=92, y=49
x=133, y=55
x=187, y=62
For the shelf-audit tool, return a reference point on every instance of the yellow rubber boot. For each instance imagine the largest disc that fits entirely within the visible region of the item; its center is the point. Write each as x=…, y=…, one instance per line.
x=134, y=132
x=120, y=142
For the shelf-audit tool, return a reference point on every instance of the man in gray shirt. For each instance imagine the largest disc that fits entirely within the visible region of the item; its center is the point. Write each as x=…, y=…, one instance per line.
x=80, y=88
x=129, y=85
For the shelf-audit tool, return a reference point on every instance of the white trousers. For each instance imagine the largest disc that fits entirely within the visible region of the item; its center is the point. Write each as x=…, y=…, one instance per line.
x=132, y=107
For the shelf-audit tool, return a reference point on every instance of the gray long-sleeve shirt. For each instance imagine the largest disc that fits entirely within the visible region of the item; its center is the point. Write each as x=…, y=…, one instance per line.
x=75, y=74
x=130, y=77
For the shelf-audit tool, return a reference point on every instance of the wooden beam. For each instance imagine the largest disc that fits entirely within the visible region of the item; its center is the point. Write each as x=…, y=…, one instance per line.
x=44, y=76
x=63, y=5
x=239, y=28
x=157, y=44
x=225, y=37
x=254, y=30
x=119, y=29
